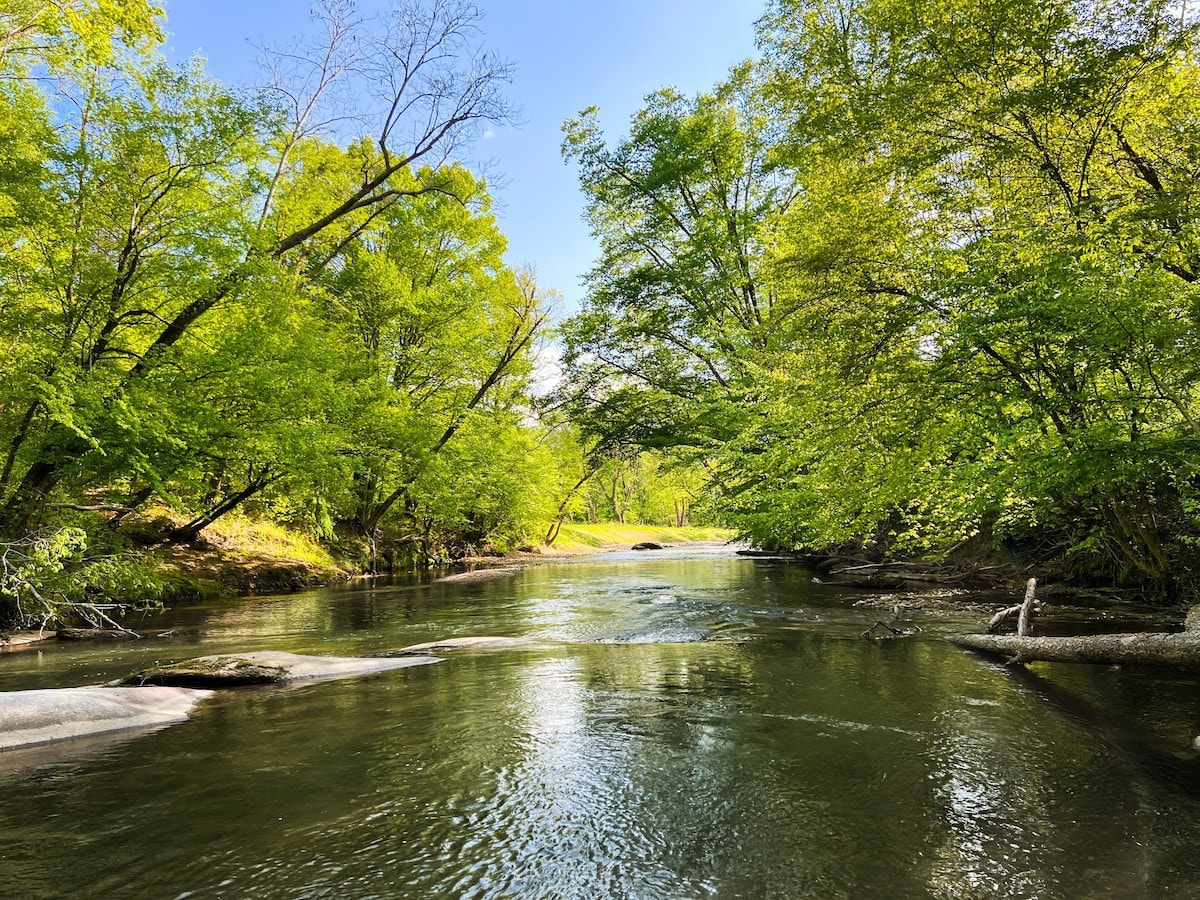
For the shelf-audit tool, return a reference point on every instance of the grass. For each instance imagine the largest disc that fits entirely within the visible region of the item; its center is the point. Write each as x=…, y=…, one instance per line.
x=240, y=555
x=265, y=538
x=577, y=537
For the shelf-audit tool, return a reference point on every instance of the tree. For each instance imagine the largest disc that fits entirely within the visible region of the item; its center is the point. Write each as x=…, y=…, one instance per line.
x=676, y=308
x=429, y=88
x=974, y=279
x=446, y=329
x=1043, y=298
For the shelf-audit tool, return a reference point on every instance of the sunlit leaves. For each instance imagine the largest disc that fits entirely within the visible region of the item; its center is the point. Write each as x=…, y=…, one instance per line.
x=981, y=284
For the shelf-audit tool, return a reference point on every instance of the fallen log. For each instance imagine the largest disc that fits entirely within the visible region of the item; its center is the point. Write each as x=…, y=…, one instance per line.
x=96, y=634
x=1179, y=651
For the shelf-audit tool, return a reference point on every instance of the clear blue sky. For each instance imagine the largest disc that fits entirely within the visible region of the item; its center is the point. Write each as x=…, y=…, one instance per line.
x=569, y=54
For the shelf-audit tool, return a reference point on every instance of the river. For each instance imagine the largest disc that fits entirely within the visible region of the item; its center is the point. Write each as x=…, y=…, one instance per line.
x=683, y=724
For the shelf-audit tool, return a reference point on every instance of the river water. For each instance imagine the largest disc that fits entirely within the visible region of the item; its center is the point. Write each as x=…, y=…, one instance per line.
x=683, y=724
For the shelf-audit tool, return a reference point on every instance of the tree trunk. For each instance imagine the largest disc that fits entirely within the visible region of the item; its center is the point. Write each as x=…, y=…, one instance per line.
x=1179, y=651
x=136, y=500
x=187, y=533
x=60, y=448
x=561, y=516
x=28, y=499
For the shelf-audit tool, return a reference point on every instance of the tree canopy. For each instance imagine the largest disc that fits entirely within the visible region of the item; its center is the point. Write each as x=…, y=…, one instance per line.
x=293, y=298
x=923, y=275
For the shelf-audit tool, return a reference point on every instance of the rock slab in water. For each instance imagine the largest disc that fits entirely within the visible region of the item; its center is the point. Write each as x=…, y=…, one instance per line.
x=647, y=545
x=25, y=638
x=481, y=642
x=481, y=574
x=38, y=717
x=96, y=634
x=266, y=667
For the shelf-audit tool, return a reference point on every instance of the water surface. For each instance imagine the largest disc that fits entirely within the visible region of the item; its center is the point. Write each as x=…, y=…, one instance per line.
x=683, y=724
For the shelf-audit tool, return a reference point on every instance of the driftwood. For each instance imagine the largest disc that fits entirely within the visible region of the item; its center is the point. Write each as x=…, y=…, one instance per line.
x=1023, y=611
x=1178, y=650
x=890, y=629
x=96, y=634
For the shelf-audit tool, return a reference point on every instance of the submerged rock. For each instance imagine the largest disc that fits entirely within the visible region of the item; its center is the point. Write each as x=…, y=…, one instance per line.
x=266, y=667
x=481, y=574
x=96, y=634
x=38, y=717
x=480, y=643
x=667, y=634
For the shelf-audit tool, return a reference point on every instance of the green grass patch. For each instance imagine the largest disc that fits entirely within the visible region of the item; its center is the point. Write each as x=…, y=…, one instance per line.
x=269, y=539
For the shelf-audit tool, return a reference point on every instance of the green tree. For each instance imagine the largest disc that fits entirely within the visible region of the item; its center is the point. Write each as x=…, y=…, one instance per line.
x=172, y=201
x=973, y=260
x=677, y=312
x=445, y=330
x=1040, y=292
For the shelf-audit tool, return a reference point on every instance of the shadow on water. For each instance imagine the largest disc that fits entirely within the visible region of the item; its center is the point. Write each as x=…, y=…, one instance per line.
x=1177, y=770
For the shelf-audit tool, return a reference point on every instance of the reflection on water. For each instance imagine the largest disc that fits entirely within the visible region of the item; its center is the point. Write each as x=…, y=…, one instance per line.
x=683, y=725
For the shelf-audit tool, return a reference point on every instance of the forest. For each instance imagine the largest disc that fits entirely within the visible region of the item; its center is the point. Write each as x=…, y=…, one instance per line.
x=920, y=281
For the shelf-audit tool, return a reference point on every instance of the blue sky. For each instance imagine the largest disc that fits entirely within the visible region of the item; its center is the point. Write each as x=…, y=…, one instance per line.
x=569, y=54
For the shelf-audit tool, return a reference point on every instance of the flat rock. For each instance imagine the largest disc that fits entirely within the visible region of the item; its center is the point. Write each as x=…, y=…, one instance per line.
x=482, y=574
x=38, y=717
x=96, y=634
x=266, y=667
x=647, y=545
x=479, y=643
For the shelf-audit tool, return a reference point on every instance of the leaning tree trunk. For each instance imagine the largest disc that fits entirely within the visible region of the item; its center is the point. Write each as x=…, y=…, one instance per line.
x=1178, y=650
x=185, y=534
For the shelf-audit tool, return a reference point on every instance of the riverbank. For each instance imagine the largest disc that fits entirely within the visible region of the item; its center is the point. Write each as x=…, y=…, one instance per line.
x=241, y=556
x=244, y=556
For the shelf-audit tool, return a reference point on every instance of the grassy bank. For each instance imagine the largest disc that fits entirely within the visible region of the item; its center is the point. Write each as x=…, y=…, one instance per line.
x=245, y=556
x=242, y=555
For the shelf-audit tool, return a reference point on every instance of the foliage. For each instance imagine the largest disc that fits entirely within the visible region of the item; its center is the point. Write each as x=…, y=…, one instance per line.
x=224, y=302
x=581, y=536
x=645, y=488
x=969, y=231
x=46, y=580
